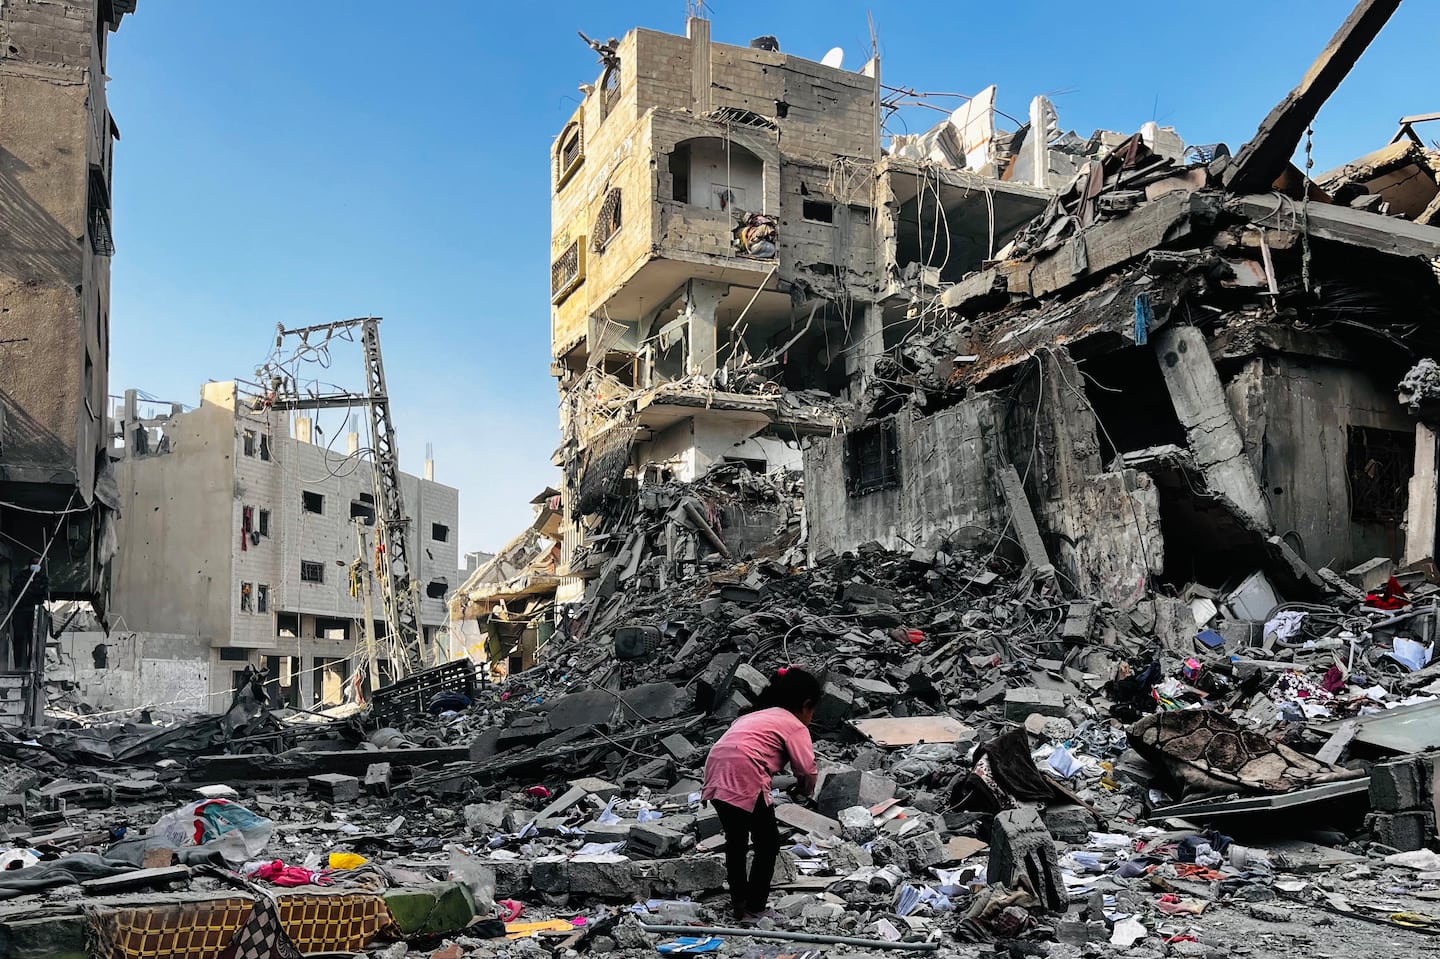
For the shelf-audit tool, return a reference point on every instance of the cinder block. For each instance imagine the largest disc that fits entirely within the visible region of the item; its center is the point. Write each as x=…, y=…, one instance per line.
x=1401, y=785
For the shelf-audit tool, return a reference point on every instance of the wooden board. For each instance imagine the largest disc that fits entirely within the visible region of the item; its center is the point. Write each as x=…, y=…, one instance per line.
x=916, y=729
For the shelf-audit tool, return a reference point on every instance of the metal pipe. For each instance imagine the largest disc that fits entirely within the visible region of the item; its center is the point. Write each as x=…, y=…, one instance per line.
x=791, y=936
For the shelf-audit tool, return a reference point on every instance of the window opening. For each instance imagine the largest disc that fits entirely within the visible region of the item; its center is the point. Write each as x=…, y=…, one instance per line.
x=249, y=443
x=818, y=211
x=1379, y=464
x=439, y=532
x=246, y=590
x=607, y=224
x=263, y=528
x=568, y=154
x=311, y=572
x=872, y=461
x=262, y=598
x=312, y=502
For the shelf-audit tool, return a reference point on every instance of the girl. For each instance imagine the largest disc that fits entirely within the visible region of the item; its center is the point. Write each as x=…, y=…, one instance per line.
x=737, y=780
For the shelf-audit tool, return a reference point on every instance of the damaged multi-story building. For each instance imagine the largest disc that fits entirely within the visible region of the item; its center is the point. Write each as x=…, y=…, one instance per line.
x=726, y=255
x=247, y=540
x=57, y=141
x=1138, y=365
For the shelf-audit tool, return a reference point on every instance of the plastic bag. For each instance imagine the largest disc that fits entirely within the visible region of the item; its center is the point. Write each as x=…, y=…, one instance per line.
x=216, y=824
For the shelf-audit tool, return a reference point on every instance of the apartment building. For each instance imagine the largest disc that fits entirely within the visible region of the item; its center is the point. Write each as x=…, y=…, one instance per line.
x=732, y=254
x=57, y=141
x=252, y=532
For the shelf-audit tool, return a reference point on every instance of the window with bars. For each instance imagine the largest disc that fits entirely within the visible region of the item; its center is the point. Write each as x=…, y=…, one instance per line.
x=569, y=151
x=610, y=88
x=567, y=271
x=1379, y=464
x=607, y=224
x=311, y=572
x=872, y=459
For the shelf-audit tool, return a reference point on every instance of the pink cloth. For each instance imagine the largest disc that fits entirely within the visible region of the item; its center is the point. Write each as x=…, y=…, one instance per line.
x=754, y=748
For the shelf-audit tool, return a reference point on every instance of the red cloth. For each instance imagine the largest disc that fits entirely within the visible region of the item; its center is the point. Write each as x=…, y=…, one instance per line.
x=1391, y=597
x=282, y=875
x=754, y=748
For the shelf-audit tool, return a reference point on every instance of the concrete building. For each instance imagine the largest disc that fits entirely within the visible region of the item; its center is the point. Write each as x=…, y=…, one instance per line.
x=56, y=154
x=240, y=533
x=731, y=254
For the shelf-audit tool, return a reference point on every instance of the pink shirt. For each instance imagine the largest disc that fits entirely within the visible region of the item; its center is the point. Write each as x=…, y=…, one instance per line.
x=753, y=749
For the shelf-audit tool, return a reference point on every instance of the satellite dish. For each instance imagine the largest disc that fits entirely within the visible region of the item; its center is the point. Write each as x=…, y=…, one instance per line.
x=834, y=58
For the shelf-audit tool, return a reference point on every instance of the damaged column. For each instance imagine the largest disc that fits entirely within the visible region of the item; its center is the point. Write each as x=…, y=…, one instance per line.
x=1210, y=429
x=701, y=299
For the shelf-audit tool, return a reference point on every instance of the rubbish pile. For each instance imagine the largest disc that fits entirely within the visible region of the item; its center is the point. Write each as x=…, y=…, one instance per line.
x=999, y=765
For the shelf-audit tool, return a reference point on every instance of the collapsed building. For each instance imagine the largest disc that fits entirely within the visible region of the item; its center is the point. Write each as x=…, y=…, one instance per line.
x=1172, y=365
x=1179, y=369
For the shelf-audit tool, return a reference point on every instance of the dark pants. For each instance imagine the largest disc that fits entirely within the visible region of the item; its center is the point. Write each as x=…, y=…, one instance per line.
x=749, y=893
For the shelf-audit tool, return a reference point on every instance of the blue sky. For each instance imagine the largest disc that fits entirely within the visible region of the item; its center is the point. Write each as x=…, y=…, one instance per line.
x=299, y=162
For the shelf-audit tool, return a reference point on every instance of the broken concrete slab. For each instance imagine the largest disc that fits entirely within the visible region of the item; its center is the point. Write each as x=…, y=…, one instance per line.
x=1021, y=703
x=894, y=733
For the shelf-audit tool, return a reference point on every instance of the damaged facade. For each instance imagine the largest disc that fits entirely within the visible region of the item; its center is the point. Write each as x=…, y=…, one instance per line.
x=57, y=142
x=250, y=533
x=1173, y=378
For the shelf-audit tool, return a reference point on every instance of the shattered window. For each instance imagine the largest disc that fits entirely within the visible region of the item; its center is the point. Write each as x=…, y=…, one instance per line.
x=568, y=154
x=1379, y=464
x=439, y=532
x=249, y=442
x=264, y=523
x=872, y=461
x=566, y=273
x=262, y=599
x=311, y=572
x=312, y=502
x=246, y=591
x=265, y=447
x=607, y=224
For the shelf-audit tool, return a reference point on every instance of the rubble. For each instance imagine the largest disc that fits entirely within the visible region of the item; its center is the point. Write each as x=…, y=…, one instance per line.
x=1090, y=683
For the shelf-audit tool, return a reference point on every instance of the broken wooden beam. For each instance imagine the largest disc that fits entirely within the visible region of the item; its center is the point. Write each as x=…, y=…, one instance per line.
x=1261, y=161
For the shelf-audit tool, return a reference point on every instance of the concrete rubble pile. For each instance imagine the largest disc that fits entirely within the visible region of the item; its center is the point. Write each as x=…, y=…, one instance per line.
x=1002, y=767
x=1116, y=656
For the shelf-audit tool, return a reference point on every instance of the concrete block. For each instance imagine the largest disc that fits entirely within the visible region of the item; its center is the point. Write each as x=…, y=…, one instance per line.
x=836, y=704
x=750, y=680
x=486, y=817
x=377, y=779
x=1069, y=823
x=1021, y=703
x=852, y=787
x=1401, y=785
x=1406, y=831
x=335, y=787
x=512, y=878
x=925, y=850
x=653, y=842
x=856, y=824
x=654, y=701
x=1371, y=574
x=439, y=909
x=679, y=747
x=1021, y=850
x=864, y=593
x=590, y=707
x=687, y=875
x=51, y=937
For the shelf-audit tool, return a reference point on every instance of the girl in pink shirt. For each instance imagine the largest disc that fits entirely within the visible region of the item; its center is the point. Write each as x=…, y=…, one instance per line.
x=737, y=780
